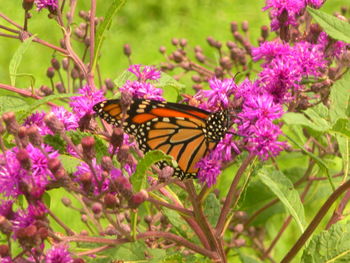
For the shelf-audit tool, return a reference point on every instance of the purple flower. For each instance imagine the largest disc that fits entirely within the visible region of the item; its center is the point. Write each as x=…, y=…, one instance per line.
x=142, y=90
x=335, y=50
x=224, y=149
x=144, y=73
x=10, y=174
x=50, y=4
x=6, y=260
x=280, y=77
x=269, y=50
x=315, y=3
x=58, y=254
x=281, y=8
x=6, y=208
x=103, y=181
x=209, y=170
x=37, y=119
x=68, y=119
x=219, y=93
x=82, y=105
x=260, y=107
x=263, y=139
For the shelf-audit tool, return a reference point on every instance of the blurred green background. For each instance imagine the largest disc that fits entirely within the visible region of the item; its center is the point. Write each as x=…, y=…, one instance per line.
x=145, y=25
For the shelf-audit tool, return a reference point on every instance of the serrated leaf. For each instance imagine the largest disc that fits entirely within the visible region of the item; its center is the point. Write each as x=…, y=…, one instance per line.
x=342, y=127
x=126, y=75
x=56, y=142
x=69, y=162
x=212, y=208
x=333, y=26
x=329, y=246
x=339, y=98
x=318, y=160
x=17, y=58
x=283, y=188
x=131, y=251
x=104, y=26
x=12, y=103
x=177, y=222
x=138, y=179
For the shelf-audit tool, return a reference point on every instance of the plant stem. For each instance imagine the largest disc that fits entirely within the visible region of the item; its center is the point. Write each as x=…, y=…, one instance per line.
x=315, y=222
x=229, y=198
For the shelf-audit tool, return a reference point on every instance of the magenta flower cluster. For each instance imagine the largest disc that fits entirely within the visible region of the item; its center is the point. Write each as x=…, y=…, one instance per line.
x=50, y=4
x=142, y=88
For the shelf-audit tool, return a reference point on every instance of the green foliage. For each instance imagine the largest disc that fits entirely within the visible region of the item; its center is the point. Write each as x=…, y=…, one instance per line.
x=138, y=179
x=17, y=58
x=100, y=146
x=12, y=103
x=332, y=245
x=333, y=26
x=69, y=162
x=105, y=25
x=212, y=209
x=56, y=142
x=283, y=188
x=178, y=223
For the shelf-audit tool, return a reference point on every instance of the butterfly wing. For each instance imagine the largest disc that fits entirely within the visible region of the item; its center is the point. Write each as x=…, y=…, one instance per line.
x=176, y=129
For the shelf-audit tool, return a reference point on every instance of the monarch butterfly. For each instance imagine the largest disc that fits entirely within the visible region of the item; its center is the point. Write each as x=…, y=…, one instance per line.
x=184, y=132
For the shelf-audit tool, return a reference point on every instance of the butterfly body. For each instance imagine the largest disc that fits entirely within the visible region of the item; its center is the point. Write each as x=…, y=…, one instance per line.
x=184, y=132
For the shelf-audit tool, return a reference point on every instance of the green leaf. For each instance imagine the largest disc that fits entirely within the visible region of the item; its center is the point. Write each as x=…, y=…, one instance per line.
x=126, y=75
x=318, y=160
x=339, y=98
x=342, y=127
x=12, y=103
x=246, y=258
x=336, y=28
x=157, y=255
x=177, y=222
x=212, y=208
x=138, y=179
x=17, y=58
x=344, y=149
x=47, y=199
x=56, y=142
x=283, y=188
x=130, y=251
x=69, y=162
x=104, y=26
x=329, y=246
x=171, y=87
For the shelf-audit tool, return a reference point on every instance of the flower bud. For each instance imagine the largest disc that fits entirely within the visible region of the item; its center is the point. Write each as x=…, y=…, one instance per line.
x=11, y=123
x=123, y=153
x=27, y=4
x=110, y=200
x=138, y=198
x=50, y=72
x=74, y=73
x=54, y=164
x=162, y=49
x=127, y=50
x=55, y=64
x=66, y=201
x=117, y=137
x=24, y=159
x=53, y=123
x=234, y=27
x=45, y=90
x=123, y=186
x=245, y=26
x=174, y=41
x=238, y=37
x=65, y=63
x=264, y=32
x=238, y=228
x=106, y=163
x=5, y=225
x=211, y=41
x=88, y=144
x=197, y=87
x=78, y=260
x=225, y=62
x=230, y=44
x=196, y=78
x=198, y=49
x=4, y=251
x=219, y=73
x=109, y=84
x=177, y=56
x=22, y=135
x=183, y=42
x=200, y=57
x=125, y=227
x=96, y=208
x=60, y=88
x=166, y=173
x=34, y=136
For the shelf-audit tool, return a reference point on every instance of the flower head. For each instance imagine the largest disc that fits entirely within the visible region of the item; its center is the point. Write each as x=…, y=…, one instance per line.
x=58, y=254
x=82, y=105
x=50, y=4
x=142, y=90
x=144, y=73
x=209, y=170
